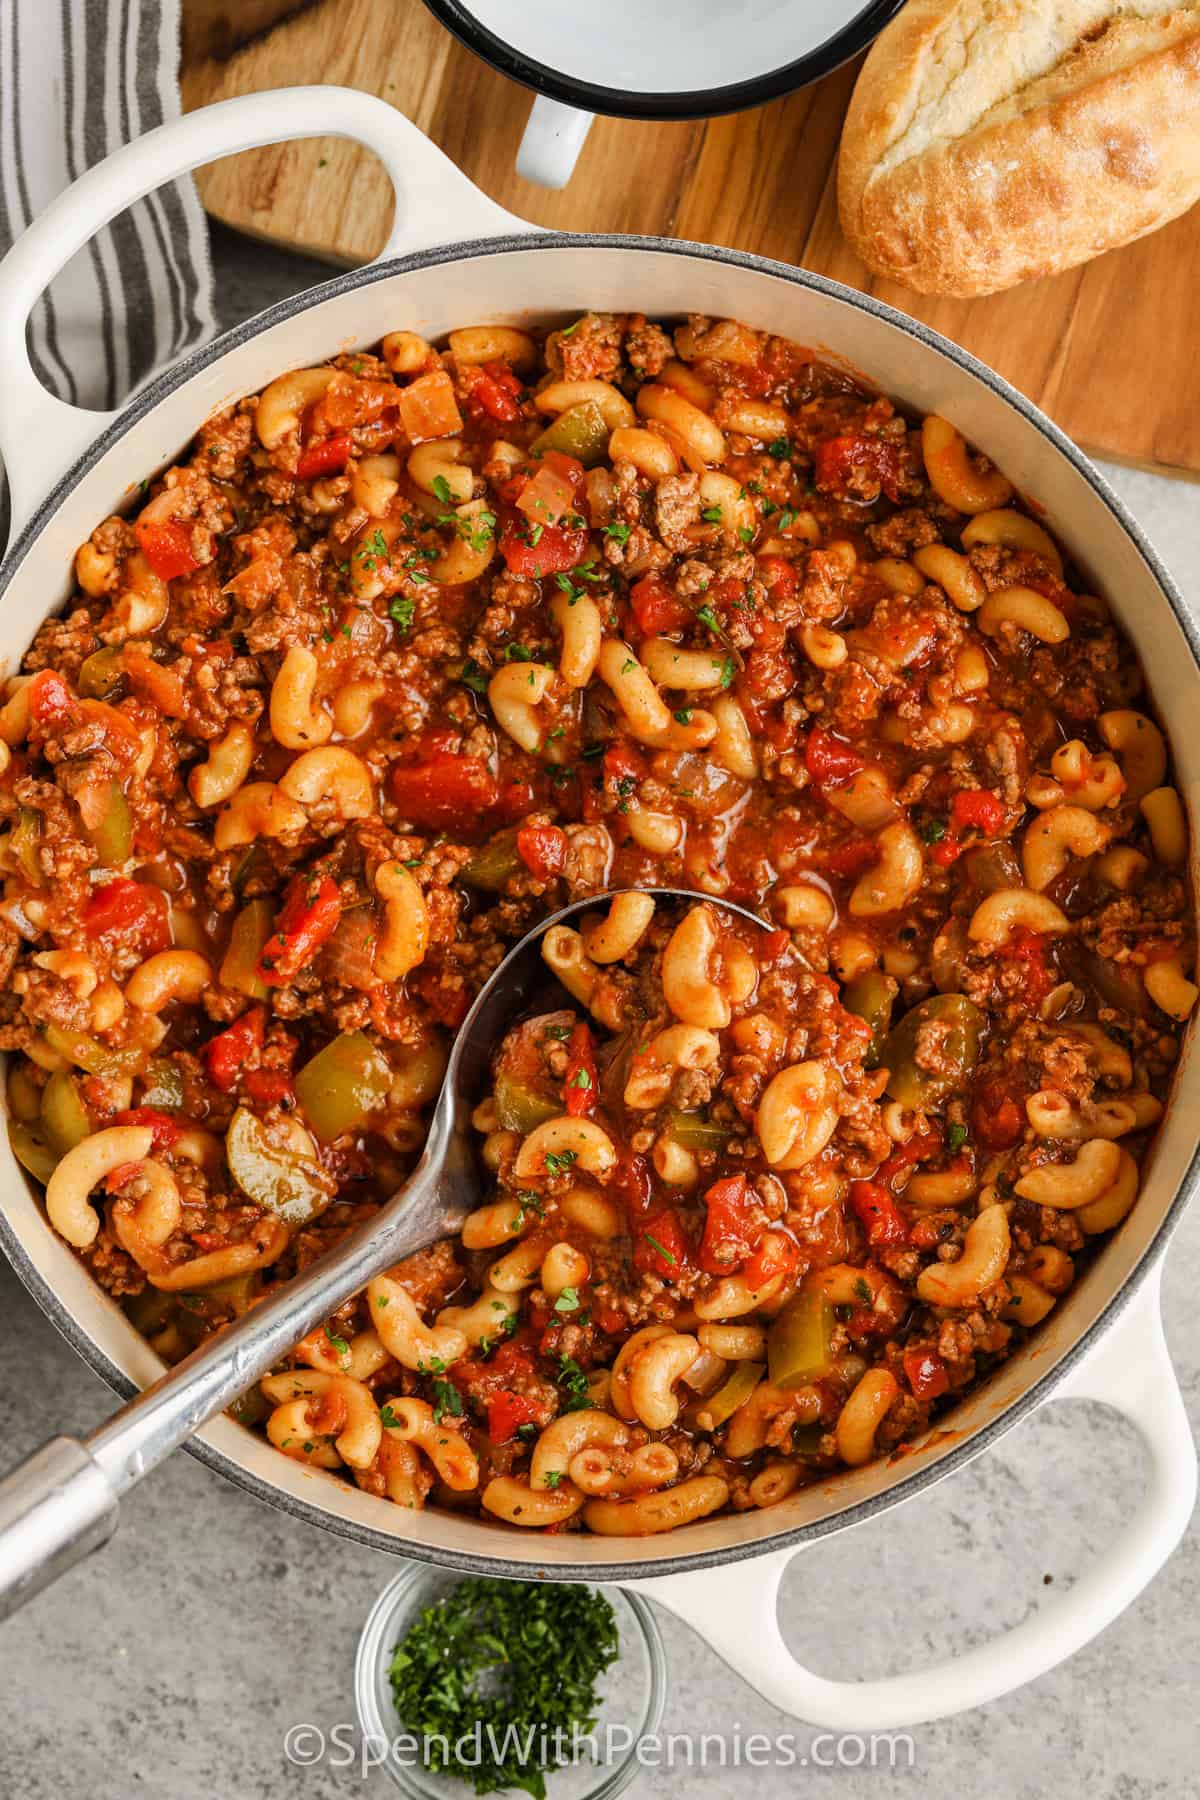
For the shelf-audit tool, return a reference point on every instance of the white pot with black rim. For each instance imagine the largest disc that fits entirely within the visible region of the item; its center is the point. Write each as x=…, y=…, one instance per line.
x=455, y=258
x=678, y=59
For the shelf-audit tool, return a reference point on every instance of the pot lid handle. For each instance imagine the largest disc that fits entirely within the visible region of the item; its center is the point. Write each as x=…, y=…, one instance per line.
x=736, y=1611
x=41, y=436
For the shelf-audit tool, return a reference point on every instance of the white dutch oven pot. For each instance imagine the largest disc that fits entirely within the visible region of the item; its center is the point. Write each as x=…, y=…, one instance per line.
x=454, y=258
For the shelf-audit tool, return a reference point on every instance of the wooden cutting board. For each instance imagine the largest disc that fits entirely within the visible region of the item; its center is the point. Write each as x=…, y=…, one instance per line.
x=1108, y=350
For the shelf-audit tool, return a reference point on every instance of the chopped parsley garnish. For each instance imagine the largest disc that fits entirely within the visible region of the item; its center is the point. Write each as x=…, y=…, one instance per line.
x=683, y=716
x=573, y=1385
x=933, y=830
x=559, y=1161
x=446, y=1399
x=472, y=676
x=956, y=1137
x=389, y=1419
x=618, y=533
x=728, y=672
x=339, y=1343
x=567, y=1302
x=509, y=1668
x=661, y=1248
x=517, y=653
x=559, y=1033
x=581, y=1079
x=745, y=533
x=403, y=611
x=708, y=617
x=863, y=1291
x=712, y=515
x=780, y=448
x=552, y=1477
x=441, y=488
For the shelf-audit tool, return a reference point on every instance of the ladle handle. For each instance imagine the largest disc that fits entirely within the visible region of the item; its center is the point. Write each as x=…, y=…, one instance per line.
x=61, y=1503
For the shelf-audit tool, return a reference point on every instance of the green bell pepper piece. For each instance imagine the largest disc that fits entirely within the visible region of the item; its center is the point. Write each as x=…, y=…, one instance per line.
x=520, y=1107
x=32, y=1151
x=283, y=1180
x=113, y=836
x=579, y=432
x=65, y=1120
x=251, y=929
x=102, y=673
x=871, y=997
x=347, y=1080
x=800, y=1341
x=920, y=1088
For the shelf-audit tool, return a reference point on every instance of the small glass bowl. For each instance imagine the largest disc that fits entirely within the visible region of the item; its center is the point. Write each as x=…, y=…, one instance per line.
x=631, y=1693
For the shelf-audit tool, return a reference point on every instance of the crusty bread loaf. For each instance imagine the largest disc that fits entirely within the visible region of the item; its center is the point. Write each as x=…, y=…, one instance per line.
x=991, y=141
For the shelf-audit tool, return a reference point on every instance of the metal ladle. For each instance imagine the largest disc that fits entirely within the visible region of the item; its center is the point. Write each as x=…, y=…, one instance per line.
x=62, y=1502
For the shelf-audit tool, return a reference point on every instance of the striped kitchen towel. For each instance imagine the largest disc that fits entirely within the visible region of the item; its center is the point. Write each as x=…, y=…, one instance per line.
x=78, y=78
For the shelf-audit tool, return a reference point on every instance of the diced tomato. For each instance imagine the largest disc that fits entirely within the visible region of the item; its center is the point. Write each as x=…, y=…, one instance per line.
x=926, y=1373
x=226, y=1054
x=878, y=1214
x=329, y=458
x=997, y=1117
x=581, y=1086
x=978, y=808
x=829, y=761
x=308, y=918
x=166, y=1130
x=661, y=1246
x=852, y=858
x=130, y=910
x=733, y=1224
x=656, y=608
x=1028, y=948
x=771, y=946
x=777, y=1255
x=610, y=1321
x=947, y=850
x=267, y=1087
x=166, y=546
x=442, y=790
x=506, y=1413
x=899, y=1165
x=536, y=550
x=622, y=762
x=839, y=459
x=50, y=700
x=543, y=850
x=779, y=576
x=631, y=1183
x=495, y=390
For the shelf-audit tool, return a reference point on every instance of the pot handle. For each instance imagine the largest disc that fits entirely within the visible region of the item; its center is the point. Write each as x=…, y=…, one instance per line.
x=40, y=436
x=1130, y=1370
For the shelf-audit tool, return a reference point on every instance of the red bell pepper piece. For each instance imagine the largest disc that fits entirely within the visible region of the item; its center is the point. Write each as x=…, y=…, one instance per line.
x=328, y=458
x=227, y=1054
x=543, y=850
x=309, y=917
x=926, y=1373
x=443, y=790
x=166, y=1130
x=829, y=761
x=50, y=700
x=632, y=1184
x=166, y=546
x=880, y=1217
x=733, y=1225
x=656, y=608
x=506, y=1413
x=580, y=1087
x=978, y=808
x=128, y=909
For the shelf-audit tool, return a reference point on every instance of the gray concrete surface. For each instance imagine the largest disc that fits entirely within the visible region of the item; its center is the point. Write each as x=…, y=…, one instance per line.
x=173, y=1665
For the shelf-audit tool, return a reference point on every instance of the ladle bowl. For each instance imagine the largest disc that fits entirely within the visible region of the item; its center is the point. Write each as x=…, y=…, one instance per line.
x=62, y=1502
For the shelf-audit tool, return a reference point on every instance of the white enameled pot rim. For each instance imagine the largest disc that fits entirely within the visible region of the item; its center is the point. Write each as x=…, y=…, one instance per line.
x=982, y=1436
